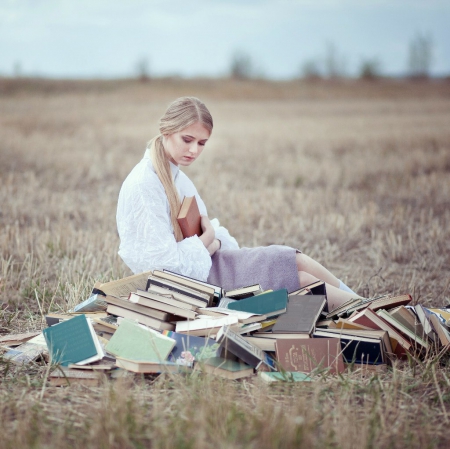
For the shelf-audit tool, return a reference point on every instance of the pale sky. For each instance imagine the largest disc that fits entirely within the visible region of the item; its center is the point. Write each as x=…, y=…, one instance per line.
x=106, y=38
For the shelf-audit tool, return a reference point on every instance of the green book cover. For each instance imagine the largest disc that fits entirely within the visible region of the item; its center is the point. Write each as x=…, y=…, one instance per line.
x=135, y=342
x=264, y=304
x=70, y=341
x=228, y=365
x=286, y=376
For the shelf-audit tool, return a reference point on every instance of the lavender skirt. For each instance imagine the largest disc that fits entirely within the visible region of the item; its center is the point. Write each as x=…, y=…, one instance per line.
x=273, y=267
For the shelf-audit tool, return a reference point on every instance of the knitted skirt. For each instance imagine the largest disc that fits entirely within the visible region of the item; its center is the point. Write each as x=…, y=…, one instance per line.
x=273, y=267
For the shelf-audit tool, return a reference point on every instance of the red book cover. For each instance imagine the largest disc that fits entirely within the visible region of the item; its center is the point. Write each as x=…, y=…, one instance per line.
x=189, y=217
x=305, y=355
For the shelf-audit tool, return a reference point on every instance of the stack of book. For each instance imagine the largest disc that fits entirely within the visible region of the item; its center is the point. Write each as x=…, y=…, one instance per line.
x=162, y=322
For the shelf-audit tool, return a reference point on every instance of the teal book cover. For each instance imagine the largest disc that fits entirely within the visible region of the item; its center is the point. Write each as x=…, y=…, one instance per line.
x=263, y=304
x=70, y=341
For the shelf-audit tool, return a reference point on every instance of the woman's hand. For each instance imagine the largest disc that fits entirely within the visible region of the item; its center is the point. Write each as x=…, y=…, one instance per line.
x=208, y=232
x=215, y=245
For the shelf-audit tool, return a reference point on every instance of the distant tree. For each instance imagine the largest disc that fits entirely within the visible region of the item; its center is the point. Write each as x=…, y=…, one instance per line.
x=334, y=62
x=142, y=69
x=17, y=69
x=310, y=69
x=241, y=66
x=370, y=69
x=420, y=56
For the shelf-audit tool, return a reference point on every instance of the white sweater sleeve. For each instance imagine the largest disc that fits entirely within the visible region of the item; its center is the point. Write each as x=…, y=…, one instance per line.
x=146, y=235
x=222, y=234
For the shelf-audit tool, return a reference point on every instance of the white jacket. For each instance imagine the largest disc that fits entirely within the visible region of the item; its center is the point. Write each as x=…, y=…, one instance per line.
x=146, y=234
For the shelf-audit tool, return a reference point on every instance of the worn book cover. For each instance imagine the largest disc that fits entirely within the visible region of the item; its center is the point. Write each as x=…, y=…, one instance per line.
x=229, y=369
x=189, y=348
x=28, y=351
x=358, y=348
x=63, y=376
x=307, y=355
x=122, y=287
x=244, y=292
x=403, y=329
x=301, y=314
x=149, y=301
x=189, y=217
x=191, y=283
x=136, y=342
x=139, y=317
x=138, y=308
x=139, y=366
x=73, y=341
x=233, y=343
x=269, y=304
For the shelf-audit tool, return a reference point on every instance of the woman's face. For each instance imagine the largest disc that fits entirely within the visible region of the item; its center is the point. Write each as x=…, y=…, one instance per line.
x=185, y=146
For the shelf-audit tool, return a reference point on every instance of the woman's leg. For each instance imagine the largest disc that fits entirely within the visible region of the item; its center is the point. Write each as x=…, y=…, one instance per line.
x=335, y=296
x=308, y=265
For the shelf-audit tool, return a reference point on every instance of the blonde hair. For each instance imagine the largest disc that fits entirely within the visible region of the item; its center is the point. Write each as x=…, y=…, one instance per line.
x=180, y=114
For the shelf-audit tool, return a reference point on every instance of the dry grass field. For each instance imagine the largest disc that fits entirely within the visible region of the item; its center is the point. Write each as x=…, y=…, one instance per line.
x=356, y=174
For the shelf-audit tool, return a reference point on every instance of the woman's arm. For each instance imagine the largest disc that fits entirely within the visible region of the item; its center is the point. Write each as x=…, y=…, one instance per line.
x=147, y=240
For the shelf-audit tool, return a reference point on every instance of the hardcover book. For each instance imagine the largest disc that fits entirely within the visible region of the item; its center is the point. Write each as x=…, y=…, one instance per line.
x=408, y=318
x=403, y=329
x=154, y=301
x=194, y=284
x=269, y=304
x=316, y=288
x=204, y=326
x=357, y=346
x=192, y=299
x=73, y=341
x=136, y=342
x=440, y=329
x=189, y=348
x=423, y=315
x=122, y=287
x=218, y=292
x=243, y=317
x=285, y=376
x=229, y=369
x=143, y=319
x=140, y=366
x=371, y=319
x=27, y=352
x=138, y=308
x=63, y=376
x=189, y=217
x=244, y=292
x=307, y=355
x=301, y=315
x=231, y=342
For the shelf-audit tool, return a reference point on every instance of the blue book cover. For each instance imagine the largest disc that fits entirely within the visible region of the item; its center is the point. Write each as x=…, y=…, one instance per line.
x=269, y=304
x=189, y=349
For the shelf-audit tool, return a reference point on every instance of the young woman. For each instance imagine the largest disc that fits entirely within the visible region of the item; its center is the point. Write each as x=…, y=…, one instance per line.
x=150, y=237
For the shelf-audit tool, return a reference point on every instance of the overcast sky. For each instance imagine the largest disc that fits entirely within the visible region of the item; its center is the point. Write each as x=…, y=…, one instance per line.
x=106, y=38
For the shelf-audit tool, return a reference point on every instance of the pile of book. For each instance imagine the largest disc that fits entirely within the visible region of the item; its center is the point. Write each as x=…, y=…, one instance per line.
x=163, y=322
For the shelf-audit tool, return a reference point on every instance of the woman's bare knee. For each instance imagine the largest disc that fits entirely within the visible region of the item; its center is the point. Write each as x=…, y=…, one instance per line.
x=302, y=261
x=306, y=278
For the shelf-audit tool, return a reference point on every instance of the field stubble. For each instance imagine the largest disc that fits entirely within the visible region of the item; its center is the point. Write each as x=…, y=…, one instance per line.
x=356, y=178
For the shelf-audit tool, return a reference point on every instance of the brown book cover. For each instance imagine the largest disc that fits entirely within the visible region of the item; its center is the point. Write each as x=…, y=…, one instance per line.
x=301, y=314
x=189, y=217
x=390, y=302
x=306, y=355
